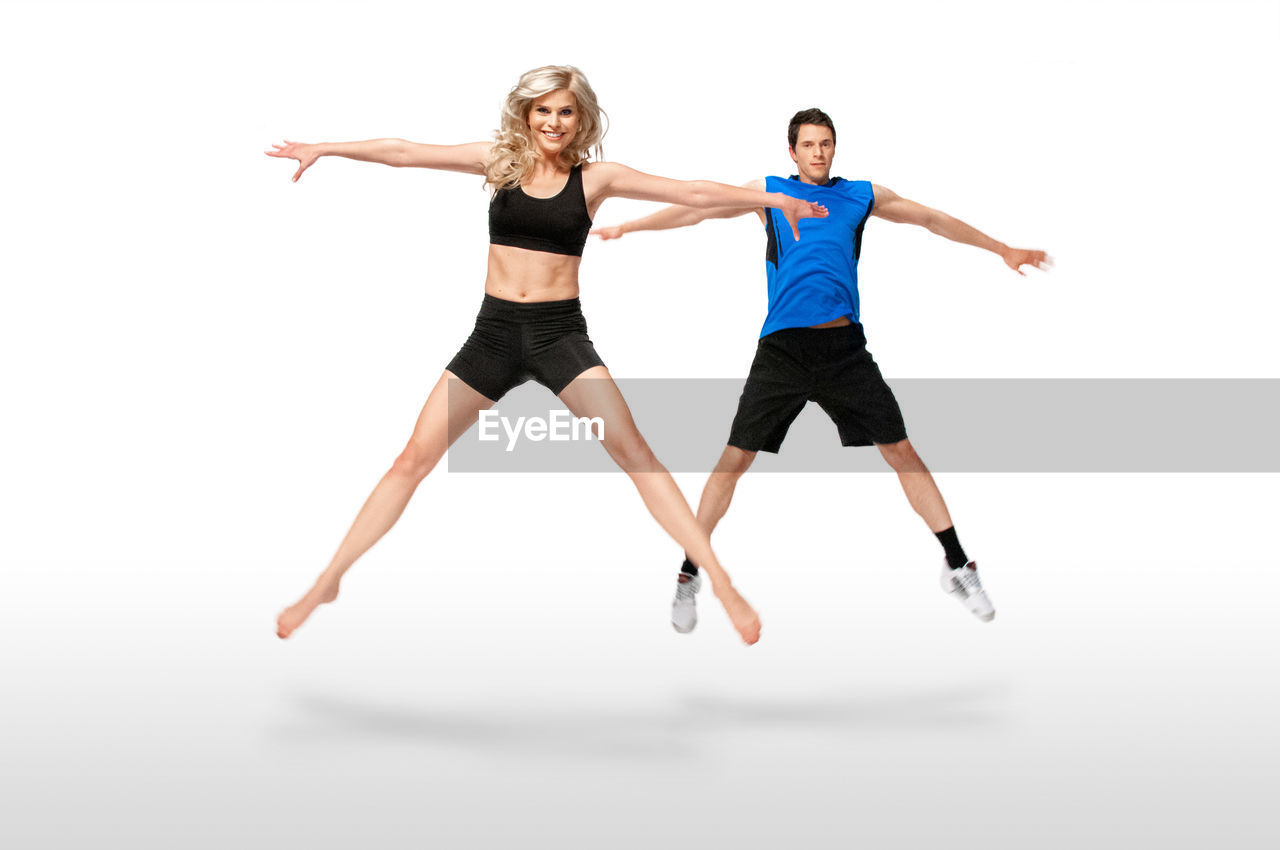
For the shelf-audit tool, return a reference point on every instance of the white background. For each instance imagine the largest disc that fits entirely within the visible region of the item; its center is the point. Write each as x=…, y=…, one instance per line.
x=207, y=368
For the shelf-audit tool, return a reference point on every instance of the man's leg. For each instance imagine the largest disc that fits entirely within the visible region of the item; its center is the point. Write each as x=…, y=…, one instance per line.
x=959, y=575
x=718, y=492
x=716, y=496
x=775, y=392
x=917, y=482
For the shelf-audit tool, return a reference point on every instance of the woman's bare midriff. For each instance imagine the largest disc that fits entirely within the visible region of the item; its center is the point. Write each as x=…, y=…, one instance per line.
x=517, y=274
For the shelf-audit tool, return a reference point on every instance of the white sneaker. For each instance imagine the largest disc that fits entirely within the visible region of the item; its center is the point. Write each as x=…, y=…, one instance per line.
x=963, y=585
x=684, y=608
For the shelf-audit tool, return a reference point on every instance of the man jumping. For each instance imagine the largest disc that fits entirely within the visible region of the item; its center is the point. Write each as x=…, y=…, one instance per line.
x=812, y=347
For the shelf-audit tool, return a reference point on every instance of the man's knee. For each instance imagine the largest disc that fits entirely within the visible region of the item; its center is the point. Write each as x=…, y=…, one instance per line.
x=734, y=462
x=901, y=456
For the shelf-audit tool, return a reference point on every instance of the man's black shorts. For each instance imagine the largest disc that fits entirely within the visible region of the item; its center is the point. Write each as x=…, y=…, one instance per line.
x=828, y=365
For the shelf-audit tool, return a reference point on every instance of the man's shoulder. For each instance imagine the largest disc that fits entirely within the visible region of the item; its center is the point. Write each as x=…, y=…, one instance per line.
x=842, y=183
x=858, y=192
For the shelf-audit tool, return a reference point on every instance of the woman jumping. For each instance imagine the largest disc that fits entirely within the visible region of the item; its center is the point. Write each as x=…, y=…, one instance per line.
x=544, y=194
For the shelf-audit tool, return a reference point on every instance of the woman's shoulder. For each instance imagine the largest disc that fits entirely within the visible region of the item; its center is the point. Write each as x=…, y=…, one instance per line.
x=598, y=175
x=599, y=168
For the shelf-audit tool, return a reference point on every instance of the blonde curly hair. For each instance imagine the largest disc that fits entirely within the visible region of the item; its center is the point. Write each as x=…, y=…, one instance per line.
x=512, y=156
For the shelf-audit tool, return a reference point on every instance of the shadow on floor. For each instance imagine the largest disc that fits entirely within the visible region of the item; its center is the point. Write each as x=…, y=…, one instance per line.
x=679, y=731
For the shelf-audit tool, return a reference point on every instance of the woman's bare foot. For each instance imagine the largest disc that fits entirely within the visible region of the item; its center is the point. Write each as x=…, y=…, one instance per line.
x=295, y=615
x=741, y=614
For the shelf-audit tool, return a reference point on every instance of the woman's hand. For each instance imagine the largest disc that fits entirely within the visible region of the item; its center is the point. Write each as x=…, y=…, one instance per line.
x=304, y=154
x=794, y=209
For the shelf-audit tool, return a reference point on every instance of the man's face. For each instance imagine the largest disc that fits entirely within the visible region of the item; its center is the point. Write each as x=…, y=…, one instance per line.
x=815, y=149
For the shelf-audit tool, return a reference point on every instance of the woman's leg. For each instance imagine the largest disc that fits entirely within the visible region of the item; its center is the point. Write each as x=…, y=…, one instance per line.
x=592, y=394
x=451, y=408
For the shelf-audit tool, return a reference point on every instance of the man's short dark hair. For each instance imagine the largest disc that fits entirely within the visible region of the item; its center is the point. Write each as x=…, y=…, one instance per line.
x=809, y=116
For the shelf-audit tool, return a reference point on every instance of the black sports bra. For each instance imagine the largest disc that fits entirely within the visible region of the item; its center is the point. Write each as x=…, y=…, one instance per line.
x=556, y=225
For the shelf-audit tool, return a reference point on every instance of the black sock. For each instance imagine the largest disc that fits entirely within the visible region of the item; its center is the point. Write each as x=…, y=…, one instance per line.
x=688, y=568
x=951, y=545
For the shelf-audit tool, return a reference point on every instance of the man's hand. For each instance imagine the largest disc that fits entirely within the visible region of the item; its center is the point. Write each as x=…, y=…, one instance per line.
x=607, y=233
x=1015, y=258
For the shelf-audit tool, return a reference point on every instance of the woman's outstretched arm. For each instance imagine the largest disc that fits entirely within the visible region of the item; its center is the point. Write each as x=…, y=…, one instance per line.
x=618, y=181
x=668, y=218
x=394, y=152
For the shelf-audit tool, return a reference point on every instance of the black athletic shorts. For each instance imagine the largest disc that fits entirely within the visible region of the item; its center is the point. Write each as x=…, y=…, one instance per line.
x=514, y=341
x=828, y=365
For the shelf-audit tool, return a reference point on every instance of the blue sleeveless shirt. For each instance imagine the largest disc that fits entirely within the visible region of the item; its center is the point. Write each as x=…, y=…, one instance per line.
x=815, y=280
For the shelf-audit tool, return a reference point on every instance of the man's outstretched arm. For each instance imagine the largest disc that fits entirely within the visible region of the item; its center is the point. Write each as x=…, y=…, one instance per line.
x=892, y=207
x=675, y=216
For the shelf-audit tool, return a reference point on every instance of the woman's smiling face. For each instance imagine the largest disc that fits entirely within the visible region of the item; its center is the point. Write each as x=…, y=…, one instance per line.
x=553, y=122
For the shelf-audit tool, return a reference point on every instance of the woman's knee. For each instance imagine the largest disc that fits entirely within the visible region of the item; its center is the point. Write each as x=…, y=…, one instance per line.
x=416, y=460
x=631, y=452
